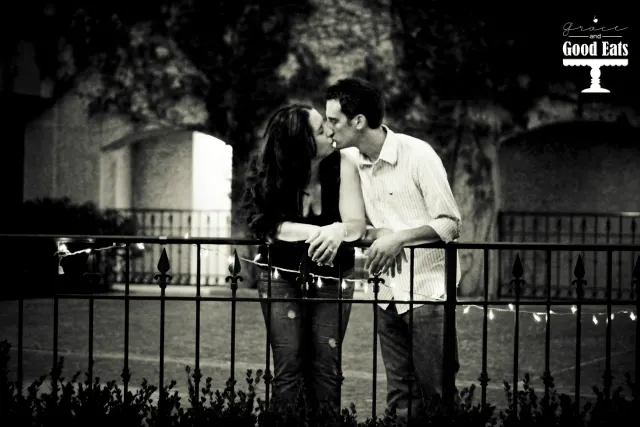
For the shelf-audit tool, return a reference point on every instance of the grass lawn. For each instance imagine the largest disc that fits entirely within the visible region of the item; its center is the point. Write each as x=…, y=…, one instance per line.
x=215, y=352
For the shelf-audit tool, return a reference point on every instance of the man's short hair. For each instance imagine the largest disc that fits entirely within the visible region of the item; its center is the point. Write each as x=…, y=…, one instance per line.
x=358, y=96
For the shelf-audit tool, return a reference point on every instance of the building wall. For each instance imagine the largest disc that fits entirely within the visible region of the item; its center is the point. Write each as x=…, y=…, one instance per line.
x=161, y=175
x=62, y=151
x=578, y=168
x=116, y=170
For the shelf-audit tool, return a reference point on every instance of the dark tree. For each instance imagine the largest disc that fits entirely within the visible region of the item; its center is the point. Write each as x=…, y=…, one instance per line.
x=196, y=64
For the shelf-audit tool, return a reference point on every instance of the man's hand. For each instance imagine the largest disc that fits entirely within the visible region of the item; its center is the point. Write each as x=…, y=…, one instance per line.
x=324, y=243
x=385, y=254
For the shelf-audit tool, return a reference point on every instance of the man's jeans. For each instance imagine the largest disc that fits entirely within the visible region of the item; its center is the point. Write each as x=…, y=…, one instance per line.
x=426, y=366
x=305, y=338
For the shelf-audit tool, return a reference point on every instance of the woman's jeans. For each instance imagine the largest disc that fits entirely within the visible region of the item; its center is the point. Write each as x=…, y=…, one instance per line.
x=305, y=338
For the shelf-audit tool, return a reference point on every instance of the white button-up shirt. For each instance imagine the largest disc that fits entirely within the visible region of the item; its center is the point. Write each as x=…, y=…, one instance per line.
x=405, y=188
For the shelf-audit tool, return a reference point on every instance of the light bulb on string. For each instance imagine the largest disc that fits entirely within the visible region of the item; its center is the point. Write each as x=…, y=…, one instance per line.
x=491, y=316
x=536, y=317
x=344, y=284
x=595, y=320
x=511, y=307
x=319, y=283
x=574, y=309
x=632, y=315
x=276, y=275
x=466, y=309
x=256, y=258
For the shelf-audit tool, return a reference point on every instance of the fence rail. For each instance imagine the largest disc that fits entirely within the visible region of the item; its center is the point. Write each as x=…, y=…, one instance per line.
x=514, y=299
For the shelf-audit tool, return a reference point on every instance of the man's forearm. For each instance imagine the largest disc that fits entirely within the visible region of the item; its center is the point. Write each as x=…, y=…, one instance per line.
x=411, y=237
x=418, y=236
x=371, y=234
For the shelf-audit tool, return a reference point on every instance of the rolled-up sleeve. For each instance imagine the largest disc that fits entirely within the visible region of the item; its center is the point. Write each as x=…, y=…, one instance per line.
x=434, y=185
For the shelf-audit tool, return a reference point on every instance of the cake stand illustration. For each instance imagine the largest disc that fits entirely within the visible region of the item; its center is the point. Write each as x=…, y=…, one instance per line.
x=595, y=65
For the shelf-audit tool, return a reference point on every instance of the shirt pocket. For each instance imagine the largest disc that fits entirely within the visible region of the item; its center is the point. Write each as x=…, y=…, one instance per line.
x=396, y=190
x=405, y=199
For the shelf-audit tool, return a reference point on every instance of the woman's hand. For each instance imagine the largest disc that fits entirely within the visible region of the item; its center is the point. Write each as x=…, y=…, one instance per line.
x=324, y=243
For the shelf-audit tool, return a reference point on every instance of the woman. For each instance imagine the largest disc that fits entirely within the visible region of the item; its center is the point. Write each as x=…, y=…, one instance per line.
x=301, y=189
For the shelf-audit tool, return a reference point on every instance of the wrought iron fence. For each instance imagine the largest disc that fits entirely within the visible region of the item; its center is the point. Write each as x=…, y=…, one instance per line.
x=568, y=227
x=514, y=299
x=177, y=222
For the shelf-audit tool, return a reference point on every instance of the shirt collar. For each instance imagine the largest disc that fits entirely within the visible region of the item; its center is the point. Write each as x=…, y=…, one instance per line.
x=388, y=153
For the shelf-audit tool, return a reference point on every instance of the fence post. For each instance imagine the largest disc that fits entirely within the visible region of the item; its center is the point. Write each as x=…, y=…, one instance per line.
x=163, y=279
x=450, y=339
x=635, y=287
x=234, y=271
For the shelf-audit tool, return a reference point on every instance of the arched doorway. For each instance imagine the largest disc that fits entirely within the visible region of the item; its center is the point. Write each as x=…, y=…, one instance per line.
x=174, y=183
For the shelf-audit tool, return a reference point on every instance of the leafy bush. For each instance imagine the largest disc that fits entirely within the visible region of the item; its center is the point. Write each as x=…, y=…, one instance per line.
x=61, y=216
x=84, y=403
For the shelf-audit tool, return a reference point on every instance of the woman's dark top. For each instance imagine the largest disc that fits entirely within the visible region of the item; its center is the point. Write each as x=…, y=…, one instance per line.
x=289, y=255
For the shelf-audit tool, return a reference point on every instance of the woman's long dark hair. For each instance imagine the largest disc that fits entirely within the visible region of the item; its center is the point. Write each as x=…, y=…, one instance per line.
x=279, y=171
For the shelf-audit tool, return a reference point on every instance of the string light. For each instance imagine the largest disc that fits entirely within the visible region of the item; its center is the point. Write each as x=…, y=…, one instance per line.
x=64, y=252
x=537, y=315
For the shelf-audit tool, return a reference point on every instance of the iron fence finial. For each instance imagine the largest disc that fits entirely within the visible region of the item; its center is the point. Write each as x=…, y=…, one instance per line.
x=234, y=269
x=163, y=267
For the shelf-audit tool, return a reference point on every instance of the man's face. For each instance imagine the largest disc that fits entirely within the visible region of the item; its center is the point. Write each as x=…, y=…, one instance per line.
x=341, y=129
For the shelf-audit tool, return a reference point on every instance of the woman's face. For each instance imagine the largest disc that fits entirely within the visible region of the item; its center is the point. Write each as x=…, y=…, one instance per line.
x=323, y=142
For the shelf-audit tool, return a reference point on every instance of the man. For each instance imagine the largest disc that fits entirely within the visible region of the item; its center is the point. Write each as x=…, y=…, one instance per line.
x=408, y=201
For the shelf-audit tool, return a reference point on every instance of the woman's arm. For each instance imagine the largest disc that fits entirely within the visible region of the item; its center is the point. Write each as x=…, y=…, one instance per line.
x=351, y=205
x=351, y=201
x=324, y=243
x=289, y=231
